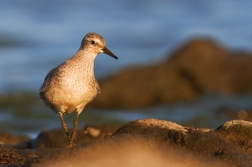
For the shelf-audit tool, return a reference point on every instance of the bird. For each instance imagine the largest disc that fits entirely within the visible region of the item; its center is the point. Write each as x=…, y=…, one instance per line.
x=70, y=86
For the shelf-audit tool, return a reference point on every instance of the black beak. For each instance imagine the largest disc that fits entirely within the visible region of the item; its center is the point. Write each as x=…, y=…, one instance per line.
x=108, y=52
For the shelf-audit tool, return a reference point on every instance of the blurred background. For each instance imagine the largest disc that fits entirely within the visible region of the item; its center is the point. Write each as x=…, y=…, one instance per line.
x=36, y=36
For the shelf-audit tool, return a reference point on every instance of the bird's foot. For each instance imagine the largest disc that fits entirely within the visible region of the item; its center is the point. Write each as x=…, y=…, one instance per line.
x=71, y=144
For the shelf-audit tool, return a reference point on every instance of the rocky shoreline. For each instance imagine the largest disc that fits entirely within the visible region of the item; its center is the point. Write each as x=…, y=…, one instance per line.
x=146, y=142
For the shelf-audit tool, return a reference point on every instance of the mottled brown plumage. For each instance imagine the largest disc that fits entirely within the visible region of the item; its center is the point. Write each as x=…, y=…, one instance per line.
x=71, y=85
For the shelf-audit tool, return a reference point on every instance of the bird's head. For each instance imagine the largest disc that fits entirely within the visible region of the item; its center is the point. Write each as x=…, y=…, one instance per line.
x=95, y=43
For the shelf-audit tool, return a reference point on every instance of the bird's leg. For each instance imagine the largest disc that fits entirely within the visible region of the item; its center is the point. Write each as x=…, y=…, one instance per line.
x=73, y=135
x=64, y=126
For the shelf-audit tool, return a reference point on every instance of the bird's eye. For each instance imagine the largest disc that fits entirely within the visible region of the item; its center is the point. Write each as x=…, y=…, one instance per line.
x=92, y=42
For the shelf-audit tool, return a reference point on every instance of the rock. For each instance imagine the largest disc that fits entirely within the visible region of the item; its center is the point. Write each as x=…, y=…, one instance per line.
x=213, y=68
x=56, y=138
x=9, y=155
x=147, y=142
x=15, y=157
x=230, y=143
x=7, y=138
x=92, y=131
x=199, y=66
x=231, y=124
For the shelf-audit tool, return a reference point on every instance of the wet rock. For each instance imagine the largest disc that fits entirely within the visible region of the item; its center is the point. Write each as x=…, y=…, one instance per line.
x=199, y=66
x=147, y=142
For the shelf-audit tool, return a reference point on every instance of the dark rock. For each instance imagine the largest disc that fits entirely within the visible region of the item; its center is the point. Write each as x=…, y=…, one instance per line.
x=199, y=66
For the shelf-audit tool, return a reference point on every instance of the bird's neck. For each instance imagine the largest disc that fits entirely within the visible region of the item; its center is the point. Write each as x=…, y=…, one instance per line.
x=84, y=61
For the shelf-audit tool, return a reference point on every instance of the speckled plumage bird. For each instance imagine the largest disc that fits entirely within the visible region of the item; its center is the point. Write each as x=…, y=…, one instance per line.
x=70, y=86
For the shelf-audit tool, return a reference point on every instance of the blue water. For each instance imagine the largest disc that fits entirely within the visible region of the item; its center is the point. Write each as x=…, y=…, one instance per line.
x=45, y=33
x=137, y=32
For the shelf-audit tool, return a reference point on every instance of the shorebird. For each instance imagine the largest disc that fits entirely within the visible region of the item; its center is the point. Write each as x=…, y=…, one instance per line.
x=70, y=86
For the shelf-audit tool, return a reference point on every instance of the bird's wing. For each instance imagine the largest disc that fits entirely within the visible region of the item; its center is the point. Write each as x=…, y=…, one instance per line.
x=53, y=72
x=50, y=74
